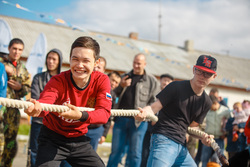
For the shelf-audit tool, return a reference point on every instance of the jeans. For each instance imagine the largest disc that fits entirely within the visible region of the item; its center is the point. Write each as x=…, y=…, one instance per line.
x=145, y=149
x=166, y=152
x=33, y=146
x=208, y=152
x=197, y=158
x=95, y=135
x=125, y=131
x=64, y=163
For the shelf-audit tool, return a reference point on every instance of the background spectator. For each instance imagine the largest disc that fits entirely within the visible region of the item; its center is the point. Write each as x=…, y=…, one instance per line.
x=53, y=64
x=19, y=82
x=137, y=89
x=213, y=126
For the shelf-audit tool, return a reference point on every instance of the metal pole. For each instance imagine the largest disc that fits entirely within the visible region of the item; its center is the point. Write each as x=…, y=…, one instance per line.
x=159, y=26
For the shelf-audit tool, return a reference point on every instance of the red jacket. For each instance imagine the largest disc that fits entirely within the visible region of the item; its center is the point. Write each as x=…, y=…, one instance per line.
x=60, y=89
x=247, y=131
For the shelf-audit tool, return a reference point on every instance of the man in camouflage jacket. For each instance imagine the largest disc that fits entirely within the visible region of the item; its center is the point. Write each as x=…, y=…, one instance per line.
x=19, y=82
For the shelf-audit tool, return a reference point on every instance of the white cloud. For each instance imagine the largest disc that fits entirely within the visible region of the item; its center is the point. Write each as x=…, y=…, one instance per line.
x=213, y=25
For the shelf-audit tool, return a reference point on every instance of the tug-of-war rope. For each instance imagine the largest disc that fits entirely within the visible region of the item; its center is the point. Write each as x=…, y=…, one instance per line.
x=13, y=103
x=198, y=134
x=114, y=112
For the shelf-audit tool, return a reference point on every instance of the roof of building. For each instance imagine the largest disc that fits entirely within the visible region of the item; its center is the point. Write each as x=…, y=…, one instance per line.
x=119, y=52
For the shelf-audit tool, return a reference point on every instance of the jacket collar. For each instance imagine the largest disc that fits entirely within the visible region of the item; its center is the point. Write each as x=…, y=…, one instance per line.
x=144, y=75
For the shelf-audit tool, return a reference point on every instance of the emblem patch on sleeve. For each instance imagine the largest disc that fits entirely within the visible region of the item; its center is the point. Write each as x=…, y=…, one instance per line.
x=108, y=96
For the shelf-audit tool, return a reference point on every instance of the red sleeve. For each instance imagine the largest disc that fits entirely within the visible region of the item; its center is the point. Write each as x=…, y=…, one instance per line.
x=103, y=102
x=247, y=130
x=50, y=93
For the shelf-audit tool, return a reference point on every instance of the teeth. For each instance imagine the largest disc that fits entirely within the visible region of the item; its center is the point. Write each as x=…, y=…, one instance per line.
x=80, y=72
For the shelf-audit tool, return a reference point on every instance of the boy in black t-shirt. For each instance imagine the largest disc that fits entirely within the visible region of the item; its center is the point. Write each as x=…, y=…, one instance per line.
x=180, y=104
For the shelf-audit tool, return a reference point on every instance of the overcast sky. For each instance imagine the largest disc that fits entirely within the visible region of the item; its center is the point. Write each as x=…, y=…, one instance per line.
x=221, y=26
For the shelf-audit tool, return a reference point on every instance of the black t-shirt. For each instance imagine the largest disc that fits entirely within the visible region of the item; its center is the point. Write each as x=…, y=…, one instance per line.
x=181, y=106
x=128, y=98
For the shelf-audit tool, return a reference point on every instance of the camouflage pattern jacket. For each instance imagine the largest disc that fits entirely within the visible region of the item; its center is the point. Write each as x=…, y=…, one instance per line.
x=21, y=75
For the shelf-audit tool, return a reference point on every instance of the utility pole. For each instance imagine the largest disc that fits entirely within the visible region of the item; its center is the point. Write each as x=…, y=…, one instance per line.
x=159, y=26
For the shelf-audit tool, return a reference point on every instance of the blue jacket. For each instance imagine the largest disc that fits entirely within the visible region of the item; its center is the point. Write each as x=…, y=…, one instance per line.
x=3, y=81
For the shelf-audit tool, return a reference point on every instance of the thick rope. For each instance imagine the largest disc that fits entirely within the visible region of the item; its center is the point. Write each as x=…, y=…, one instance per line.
x=13, y=103
x=114, y=112
x=199, y=134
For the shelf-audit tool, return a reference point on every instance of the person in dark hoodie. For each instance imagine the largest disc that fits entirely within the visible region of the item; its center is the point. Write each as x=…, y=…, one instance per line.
x=53, y=63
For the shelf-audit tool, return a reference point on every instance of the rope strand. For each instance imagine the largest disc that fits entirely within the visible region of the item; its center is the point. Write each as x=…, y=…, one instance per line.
x=199, y=134
x=60, y=108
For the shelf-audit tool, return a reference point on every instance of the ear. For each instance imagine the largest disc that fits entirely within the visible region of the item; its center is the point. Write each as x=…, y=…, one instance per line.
x=215, y=75
x=97, y=62
x=193, y=70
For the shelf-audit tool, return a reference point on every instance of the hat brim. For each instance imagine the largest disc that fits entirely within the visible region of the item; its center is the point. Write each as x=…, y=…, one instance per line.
x=205, y=69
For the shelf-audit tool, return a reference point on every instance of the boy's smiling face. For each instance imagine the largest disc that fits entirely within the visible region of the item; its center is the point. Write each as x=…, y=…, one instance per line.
x=82, y=63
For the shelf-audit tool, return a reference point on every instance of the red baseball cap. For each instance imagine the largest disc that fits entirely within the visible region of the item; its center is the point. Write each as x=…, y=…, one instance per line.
x=206, y=63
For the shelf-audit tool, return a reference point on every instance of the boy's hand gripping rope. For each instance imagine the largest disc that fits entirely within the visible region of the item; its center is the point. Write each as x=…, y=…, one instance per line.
x=199, y=134
x=60, y=108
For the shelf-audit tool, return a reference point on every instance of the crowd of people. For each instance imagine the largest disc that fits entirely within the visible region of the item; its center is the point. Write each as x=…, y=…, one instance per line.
x=71, y=138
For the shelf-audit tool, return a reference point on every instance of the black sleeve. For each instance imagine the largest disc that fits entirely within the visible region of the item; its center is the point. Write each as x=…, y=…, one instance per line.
x=229, y=125
x=168, y=94
x=106, y=127
x=35, y=88
x=84, y=117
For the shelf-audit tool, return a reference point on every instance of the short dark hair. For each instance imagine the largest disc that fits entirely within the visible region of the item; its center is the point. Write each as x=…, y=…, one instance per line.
x=246, y=101
x=86, y=42
x=167, y=76
x=114, y=72
x=214, y=90
x=213, y=99
x=15, y=41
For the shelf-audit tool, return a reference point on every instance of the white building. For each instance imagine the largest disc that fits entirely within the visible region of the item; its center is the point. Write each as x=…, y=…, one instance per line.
x=233, y=79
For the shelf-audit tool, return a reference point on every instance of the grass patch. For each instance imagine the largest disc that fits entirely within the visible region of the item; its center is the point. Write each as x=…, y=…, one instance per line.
x=24, y=129
x=109, y=138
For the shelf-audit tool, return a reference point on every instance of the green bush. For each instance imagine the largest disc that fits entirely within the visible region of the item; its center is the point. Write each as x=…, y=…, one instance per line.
x=24, y=129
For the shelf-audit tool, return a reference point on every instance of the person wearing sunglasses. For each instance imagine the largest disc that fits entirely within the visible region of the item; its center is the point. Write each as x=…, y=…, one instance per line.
x=181, y=104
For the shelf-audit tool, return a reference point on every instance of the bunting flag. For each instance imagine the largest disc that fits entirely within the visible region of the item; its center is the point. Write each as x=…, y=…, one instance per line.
x=108, y=39
x=36, y=59
x=5, y=36
x=20, y=7
x=43, y=16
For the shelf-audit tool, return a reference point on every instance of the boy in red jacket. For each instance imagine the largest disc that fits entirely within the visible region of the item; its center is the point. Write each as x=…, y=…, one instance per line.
x=247, y=133
x=63, y=135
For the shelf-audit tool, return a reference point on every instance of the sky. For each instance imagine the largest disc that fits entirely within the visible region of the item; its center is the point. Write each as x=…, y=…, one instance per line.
x=220, y=26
